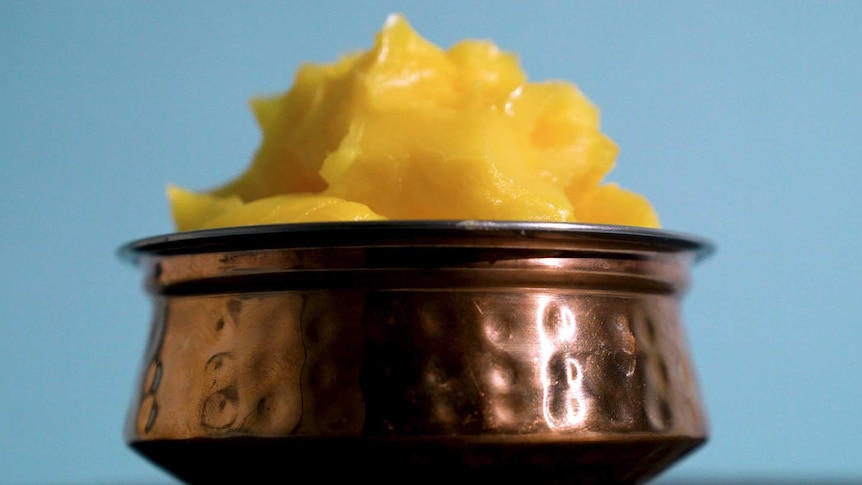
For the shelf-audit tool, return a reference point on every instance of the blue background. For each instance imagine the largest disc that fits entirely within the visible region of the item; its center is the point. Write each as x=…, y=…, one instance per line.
x=741, y=121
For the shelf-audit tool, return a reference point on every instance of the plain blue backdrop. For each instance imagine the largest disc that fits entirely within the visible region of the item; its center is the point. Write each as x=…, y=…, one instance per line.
x=741, y=121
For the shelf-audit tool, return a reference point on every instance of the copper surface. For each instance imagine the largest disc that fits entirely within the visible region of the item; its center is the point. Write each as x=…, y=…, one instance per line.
x=556, y=354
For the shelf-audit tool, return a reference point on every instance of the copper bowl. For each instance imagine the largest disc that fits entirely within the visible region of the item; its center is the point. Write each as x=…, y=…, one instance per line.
x=417, y=351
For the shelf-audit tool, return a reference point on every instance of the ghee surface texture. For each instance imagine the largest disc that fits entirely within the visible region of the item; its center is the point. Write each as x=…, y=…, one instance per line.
x=407, y=130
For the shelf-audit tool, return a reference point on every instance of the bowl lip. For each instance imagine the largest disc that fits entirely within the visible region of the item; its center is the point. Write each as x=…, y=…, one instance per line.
x=366, y=233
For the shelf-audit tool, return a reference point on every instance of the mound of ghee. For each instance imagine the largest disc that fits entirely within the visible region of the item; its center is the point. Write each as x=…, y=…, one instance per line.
x=407, y=130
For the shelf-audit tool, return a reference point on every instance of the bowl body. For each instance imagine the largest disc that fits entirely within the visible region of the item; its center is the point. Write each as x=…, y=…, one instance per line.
x=409, y=351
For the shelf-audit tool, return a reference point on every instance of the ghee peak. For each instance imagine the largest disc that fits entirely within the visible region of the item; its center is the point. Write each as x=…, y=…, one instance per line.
x=409, y=130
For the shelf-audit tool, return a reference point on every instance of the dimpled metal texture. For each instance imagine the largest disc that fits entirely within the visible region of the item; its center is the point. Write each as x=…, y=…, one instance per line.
x=553, y=353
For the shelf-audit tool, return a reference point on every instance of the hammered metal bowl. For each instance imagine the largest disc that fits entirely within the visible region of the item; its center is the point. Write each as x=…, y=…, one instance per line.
x=414, y=352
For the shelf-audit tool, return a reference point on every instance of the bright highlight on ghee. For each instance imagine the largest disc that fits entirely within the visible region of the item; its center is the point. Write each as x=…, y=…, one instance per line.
x=407, y=130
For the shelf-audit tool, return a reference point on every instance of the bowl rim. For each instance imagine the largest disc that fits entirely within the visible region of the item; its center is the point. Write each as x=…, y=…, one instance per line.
x=359, y=233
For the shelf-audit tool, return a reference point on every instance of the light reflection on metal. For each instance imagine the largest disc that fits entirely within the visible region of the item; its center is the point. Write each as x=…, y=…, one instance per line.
x=552, y=262
x=564, y=404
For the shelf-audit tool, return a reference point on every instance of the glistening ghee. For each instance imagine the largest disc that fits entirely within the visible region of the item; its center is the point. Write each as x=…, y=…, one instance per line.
x=407, y=130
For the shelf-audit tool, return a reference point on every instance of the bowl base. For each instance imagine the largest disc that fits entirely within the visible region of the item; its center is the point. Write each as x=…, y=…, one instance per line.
x=621, y=460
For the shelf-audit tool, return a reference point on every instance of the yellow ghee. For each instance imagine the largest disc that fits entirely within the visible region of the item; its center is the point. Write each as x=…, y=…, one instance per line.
x=407, y=130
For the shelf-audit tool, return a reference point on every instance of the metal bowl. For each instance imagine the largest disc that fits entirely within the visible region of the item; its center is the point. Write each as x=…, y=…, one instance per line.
x=417, y=351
